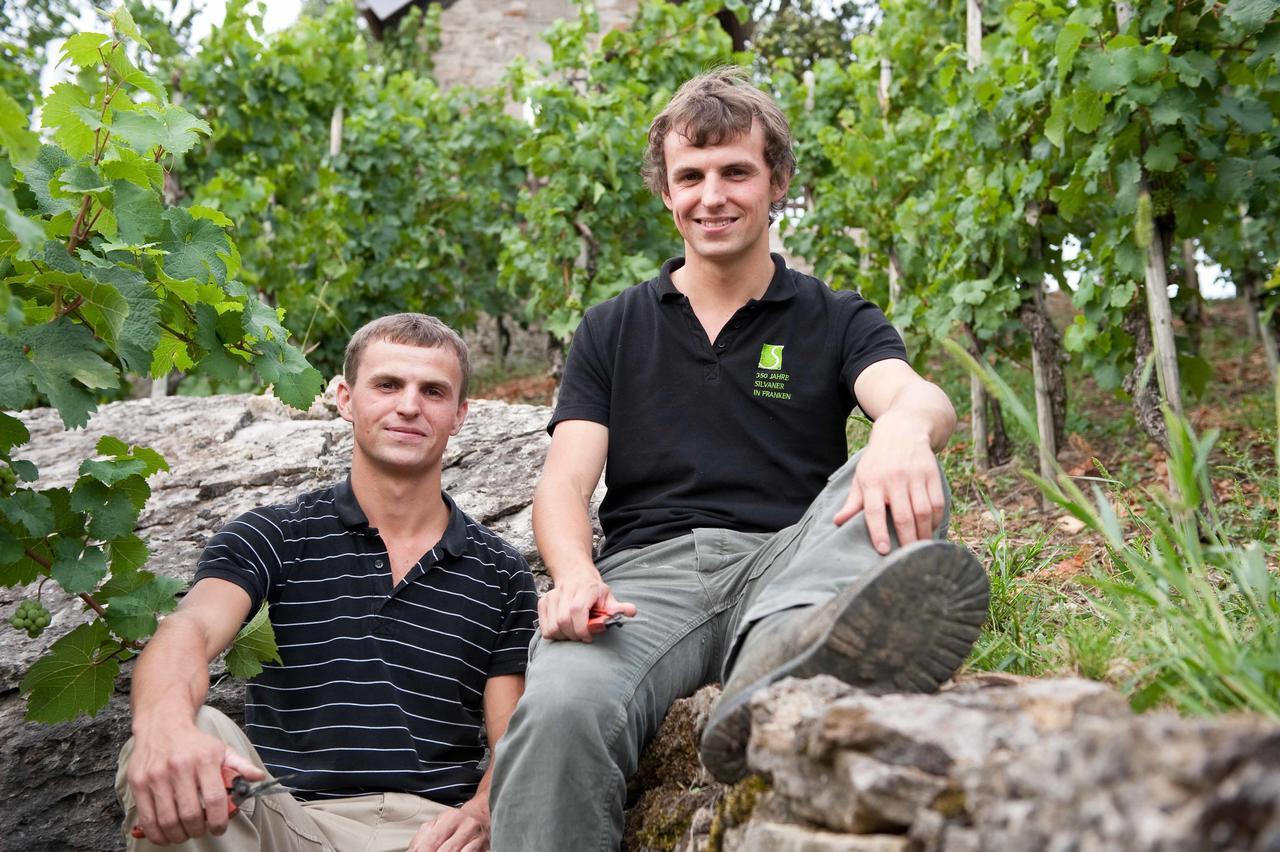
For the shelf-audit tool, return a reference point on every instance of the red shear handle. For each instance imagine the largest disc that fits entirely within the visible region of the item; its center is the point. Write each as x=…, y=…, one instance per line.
x=601, y=620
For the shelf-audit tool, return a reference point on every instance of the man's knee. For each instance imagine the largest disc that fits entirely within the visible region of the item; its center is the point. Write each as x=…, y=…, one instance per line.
x=567, y=707
x=215, y=723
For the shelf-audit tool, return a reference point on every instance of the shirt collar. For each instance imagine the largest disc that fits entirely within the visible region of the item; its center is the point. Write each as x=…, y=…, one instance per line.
x=349, y=511
x=781, y=287
x=453, y=542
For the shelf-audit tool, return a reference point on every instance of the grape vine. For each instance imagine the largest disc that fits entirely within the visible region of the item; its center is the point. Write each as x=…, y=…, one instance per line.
x=104, y=281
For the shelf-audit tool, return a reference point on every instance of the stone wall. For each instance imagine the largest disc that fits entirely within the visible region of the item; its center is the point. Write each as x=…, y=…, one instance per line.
x=479, y=37
x=992, y=763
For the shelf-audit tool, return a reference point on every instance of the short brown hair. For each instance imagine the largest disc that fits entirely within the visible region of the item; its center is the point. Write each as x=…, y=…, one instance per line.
x=713, y=108
x=412, y=330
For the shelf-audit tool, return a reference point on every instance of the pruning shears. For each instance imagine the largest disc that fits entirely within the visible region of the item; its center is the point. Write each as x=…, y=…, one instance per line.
x=601, y=620
x=239, y=790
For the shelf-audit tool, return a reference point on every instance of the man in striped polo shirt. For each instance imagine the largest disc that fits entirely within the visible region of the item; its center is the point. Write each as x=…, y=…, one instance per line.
x=403, y=627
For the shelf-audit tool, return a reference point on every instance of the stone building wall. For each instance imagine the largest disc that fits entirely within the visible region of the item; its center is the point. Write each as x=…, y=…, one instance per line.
x=481, y=36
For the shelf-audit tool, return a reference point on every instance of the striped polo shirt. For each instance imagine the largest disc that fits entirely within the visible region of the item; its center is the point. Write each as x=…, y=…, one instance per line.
x=380, y=689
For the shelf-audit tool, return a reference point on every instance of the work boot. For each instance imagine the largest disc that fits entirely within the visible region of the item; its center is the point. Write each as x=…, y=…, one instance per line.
x=904, y=627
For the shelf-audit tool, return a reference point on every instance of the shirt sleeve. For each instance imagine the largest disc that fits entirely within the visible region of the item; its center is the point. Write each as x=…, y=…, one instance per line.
x=519, y=621
x=247, y=552
x=868, y=338
x=586, y=386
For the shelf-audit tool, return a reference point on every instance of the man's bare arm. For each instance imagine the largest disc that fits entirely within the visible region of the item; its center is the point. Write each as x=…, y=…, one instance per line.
x=466, y=829
x=898, y=476
x=175, y=771
x=562, y=529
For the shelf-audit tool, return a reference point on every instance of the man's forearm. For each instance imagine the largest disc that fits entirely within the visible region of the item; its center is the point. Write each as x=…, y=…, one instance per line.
x=172, y=675
x=920, y=406
x=562, y=531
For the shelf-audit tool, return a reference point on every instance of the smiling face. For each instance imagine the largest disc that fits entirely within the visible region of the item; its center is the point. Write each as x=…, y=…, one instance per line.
x=719, y=196
x=403, y=406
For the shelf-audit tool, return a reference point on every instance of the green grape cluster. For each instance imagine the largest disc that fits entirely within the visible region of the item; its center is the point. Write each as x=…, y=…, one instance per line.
x=30, y=616
x=1162, y=199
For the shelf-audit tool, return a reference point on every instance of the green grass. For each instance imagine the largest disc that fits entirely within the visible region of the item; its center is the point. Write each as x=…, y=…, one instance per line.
x=1025, y=615
x=1188, y=616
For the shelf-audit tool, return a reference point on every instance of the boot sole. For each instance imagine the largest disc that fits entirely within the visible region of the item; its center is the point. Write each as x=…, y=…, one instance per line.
x=907, y=628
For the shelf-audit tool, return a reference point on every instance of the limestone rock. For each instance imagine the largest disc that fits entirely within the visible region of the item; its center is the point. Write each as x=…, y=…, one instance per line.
x=763, y=836
x=1012, y=764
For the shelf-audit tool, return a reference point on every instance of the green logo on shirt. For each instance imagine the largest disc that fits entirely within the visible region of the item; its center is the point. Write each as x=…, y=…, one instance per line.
x=771, y=356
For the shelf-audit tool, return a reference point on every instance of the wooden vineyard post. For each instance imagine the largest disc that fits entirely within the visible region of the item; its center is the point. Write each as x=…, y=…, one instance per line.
x=977, y=391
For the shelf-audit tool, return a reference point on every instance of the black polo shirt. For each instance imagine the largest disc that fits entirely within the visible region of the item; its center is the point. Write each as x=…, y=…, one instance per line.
x=380, y=689
x=739, y=434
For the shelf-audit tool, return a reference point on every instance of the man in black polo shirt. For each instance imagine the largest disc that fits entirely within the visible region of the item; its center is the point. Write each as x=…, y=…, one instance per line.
x=403, y=627
x=718, y=393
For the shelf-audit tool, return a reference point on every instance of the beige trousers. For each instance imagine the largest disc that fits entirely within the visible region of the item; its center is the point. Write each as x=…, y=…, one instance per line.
x=381, y=822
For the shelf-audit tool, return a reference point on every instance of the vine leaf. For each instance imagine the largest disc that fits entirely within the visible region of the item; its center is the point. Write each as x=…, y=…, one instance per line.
x=39, y=173
x=65, y=368
x=298, y=389
x=113, y=509
x=77, y=568
x=112, y=471
x=82, y=180
x=170, y=127
x=25, y=570
x=216, y=361
x=123, y=23
x=137, y=211
x=254, y=645
x=133, y=615
x=13, y=432
x=61, y=112
x=74, y=677
x=31, y=510
x=140, y=333
x=17, y=139
x=127, y=554
x=10, y=548
x=1067, y=44
x=83, y=49
x=1087, y=109
x=15, y=380
x=104, y=308
x=29, y=234
x=1252, y=15
x=193, y=247
x=135, y=168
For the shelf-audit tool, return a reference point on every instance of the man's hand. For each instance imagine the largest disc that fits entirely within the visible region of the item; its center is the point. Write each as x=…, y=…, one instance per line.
x=897, y=471
x=564, y=611
x=464, y=829
x=175, y=773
